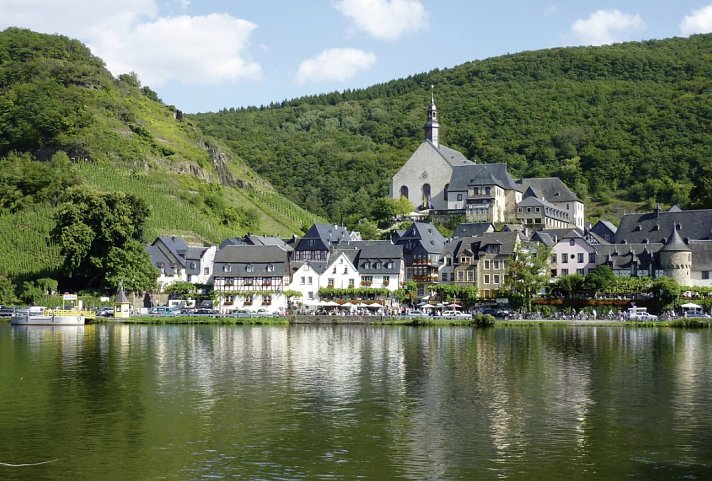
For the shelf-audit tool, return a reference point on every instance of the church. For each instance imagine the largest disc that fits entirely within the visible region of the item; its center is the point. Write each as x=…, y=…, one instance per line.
x=442, y=180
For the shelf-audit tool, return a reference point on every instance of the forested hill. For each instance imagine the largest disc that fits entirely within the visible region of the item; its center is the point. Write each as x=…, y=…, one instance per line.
x=66, y=122
x=623, y=122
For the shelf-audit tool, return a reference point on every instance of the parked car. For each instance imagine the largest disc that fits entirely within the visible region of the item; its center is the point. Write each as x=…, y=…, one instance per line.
x=205, y=312
x=105, y=312
x=498, y=313
x=698, y=314
x=241, y=313
x=163, y=311
x=456, y=315
x=640, y=314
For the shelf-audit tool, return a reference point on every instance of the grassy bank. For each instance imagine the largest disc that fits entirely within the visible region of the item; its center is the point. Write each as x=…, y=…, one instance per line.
x=198, y=320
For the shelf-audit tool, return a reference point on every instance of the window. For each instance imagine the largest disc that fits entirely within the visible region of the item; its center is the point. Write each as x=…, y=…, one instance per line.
x=444, y=276
x=470, y=276
x=309, y=280
x=250, y=268
x=553, y=258
x=496, y=278
x=192, y=265
x=366, y=280
x=495, y=265
x=367, y=265
x=389, y=265
x=564, y=272
x=579, y=271
x=334, y=271
x=487, y=264
x=266, y=281
x=229, y=281
x=303, y=280
x=346, y=270
x=227, y=268
x=386, y=280
x=464, y=260
x=270, y=268
x=448, y=261
x=592, y=257
x=249, y=281
x=310, y=295
x=564, y=258
x=705, y=275
x=572, y=242
x=487, y=279
x=229, y=300
x=580, y=257
x=248, y=300
x=206, y=271
x=459, y=197
x=460, y=276
x=351, y=283
x=330, y=283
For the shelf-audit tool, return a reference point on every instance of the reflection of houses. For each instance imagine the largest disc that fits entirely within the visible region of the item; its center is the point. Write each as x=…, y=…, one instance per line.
x=251, y=277
x=481, y=261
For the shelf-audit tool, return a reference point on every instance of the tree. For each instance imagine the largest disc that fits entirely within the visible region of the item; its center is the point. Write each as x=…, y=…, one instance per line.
x=7, y=291
x=99, y=236
x=385, y=208
x=570, y=285
x=130, y=266
x=528, y=273
x=666, y=291
x=599, y=279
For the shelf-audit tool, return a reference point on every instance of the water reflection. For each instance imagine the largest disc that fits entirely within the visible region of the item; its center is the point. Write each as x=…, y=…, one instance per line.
x=336, y=402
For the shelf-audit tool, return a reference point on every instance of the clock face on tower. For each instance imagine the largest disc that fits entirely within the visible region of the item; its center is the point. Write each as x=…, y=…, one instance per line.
x=424, y=175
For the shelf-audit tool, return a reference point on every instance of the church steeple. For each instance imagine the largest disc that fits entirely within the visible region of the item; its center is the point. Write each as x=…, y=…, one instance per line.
x=432, y=127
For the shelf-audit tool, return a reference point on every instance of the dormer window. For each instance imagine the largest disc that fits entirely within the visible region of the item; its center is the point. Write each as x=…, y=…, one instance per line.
x=192, y=265
x=227, y=268
x=366, y=265
x=377, y=265
x=250, y=268
x=270, y=268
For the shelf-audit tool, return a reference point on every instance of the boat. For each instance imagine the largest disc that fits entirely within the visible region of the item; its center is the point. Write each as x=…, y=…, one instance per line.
x=71, y=314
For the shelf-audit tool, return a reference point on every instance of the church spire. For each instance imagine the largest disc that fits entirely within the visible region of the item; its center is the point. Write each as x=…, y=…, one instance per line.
x=432, y=127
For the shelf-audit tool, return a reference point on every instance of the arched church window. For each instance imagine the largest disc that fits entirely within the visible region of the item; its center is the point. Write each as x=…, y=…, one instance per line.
x=427, y=201
x=404, y=191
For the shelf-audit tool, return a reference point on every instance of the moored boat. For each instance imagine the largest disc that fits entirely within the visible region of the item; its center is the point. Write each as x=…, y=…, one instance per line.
x=71, y=314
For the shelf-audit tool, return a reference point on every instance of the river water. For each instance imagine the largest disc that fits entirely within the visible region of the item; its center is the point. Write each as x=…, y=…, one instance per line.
x=118, y=402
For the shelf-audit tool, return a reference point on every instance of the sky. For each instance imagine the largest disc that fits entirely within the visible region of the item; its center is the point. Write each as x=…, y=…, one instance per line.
x=207, y=55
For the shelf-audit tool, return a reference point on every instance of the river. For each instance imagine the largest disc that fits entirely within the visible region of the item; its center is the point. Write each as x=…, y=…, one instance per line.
x=334, y=402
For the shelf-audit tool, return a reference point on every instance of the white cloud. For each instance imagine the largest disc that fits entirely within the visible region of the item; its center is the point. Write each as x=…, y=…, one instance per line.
x=130, y=35
x=385, y=19
x=75, y=18
x=194, y=50
x=606, y=26
x=699, y=21
x=336, y=64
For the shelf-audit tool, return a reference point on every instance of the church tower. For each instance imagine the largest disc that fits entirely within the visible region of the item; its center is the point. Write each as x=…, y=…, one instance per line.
x=432, y=127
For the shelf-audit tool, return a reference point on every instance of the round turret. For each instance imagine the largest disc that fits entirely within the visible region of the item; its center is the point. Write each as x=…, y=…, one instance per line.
x=676, y=258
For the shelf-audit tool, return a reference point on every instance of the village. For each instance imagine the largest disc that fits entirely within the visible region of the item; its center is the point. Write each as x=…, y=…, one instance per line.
x=332, y=267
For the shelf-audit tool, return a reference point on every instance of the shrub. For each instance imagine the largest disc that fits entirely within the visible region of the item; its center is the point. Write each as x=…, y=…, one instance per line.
x=483, y=320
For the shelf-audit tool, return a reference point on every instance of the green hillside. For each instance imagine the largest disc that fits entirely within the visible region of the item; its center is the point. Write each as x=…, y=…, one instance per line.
x=623, y=125
x=55, y=97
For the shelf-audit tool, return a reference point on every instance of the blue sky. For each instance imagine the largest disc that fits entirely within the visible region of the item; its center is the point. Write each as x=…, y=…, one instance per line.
x=205, y=55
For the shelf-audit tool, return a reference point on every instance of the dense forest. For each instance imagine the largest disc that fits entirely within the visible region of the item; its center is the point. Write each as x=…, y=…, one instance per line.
x=626, y=122
x=67, y=125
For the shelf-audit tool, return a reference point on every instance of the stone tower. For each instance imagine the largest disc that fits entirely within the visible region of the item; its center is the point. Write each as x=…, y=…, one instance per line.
x=676, y=258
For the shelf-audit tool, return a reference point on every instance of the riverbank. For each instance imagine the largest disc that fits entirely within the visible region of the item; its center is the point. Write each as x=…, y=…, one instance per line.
x=395, y=321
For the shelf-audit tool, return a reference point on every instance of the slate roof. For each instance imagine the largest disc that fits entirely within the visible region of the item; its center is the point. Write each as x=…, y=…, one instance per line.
x=426, y=234
x=552, y=189
x=622, y=256
x=373, y=253
x=451, y=156
x=657, y=226
x=194, y=254
x=701, y=254
x=481, y=174
x=259, y=257
x=675, y=243
x=478, y=245
x=158, y=258
x=472, y=229
x=319, y=267
x=554, y=234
